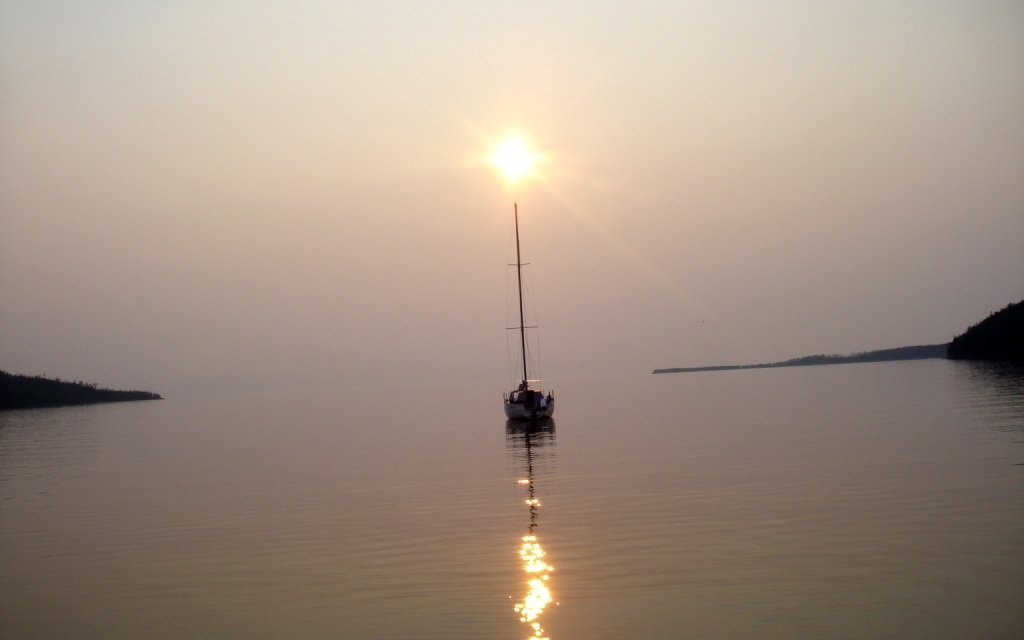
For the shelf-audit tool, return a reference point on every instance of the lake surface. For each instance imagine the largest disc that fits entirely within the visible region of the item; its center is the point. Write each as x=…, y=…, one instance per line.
x=881, y=500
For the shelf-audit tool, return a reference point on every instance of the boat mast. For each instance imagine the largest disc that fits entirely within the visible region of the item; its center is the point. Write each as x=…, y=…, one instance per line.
x=519, y=278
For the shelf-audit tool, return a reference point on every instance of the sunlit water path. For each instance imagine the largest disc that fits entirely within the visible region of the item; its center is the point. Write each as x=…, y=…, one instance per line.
x=852, y=501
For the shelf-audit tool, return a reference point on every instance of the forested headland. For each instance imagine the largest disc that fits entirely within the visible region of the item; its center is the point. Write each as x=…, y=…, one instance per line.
x=998, y=337
x=28, y=392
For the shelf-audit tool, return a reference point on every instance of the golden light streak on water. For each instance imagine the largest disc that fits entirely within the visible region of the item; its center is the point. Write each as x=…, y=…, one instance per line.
x=538, y=594
x=531, y=554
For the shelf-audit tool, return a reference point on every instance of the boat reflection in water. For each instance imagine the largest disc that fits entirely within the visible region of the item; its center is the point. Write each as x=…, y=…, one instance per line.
x=524, y=440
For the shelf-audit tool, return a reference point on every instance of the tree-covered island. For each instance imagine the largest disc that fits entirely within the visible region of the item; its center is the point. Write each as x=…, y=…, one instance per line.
x=29, y=392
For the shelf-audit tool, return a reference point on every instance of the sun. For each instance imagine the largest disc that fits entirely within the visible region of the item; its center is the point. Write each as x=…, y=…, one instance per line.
x=513, y=158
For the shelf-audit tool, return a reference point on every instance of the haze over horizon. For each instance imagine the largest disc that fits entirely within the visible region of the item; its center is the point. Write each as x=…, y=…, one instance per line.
x=236, y=196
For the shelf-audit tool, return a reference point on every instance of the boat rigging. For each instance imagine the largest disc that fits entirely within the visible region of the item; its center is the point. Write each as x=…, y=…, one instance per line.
x=524, y=402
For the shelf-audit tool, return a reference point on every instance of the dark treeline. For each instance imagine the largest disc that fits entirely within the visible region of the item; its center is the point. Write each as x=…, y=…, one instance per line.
x=919, y=352
x=998, y=337
x=26, y=392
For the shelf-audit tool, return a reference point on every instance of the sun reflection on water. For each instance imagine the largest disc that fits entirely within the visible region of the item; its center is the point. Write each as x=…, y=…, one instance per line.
x=531, y=554
x=539, y=595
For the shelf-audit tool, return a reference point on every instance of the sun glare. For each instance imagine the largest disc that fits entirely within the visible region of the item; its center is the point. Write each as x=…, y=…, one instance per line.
x=513, y=158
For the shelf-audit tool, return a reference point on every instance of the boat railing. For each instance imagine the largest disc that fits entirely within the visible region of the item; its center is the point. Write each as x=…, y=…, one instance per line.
x=512, y=396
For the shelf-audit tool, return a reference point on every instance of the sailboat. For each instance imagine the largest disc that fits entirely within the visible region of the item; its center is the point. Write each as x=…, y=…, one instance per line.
x=525, y=402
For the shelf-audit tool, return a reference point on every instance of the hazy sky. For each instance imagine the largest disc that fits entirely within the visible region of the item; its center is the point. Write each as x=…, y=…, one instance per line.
x=235, y=195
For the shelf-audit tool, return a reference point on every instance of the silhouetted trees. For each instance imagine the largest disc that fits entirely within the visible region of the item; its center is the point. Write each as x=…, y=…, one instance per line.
x=998, y=337
x=917, y=352
x=25, y=392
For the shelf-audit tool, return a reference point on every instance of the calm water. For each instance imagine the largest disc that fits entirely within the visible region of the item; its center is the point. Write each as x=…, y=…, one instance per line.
x=852, y=501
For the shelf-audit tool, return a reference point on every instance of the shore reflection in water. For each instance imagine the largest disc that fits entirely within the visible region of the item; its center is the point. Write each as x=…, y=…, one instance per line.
x=523, y=440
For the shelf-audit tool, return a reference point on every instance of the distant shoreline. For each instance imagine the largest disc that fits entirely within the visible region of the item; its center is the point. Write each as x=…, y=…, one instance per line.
x=999, y=337
x=38, y=392
x=919, y=352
